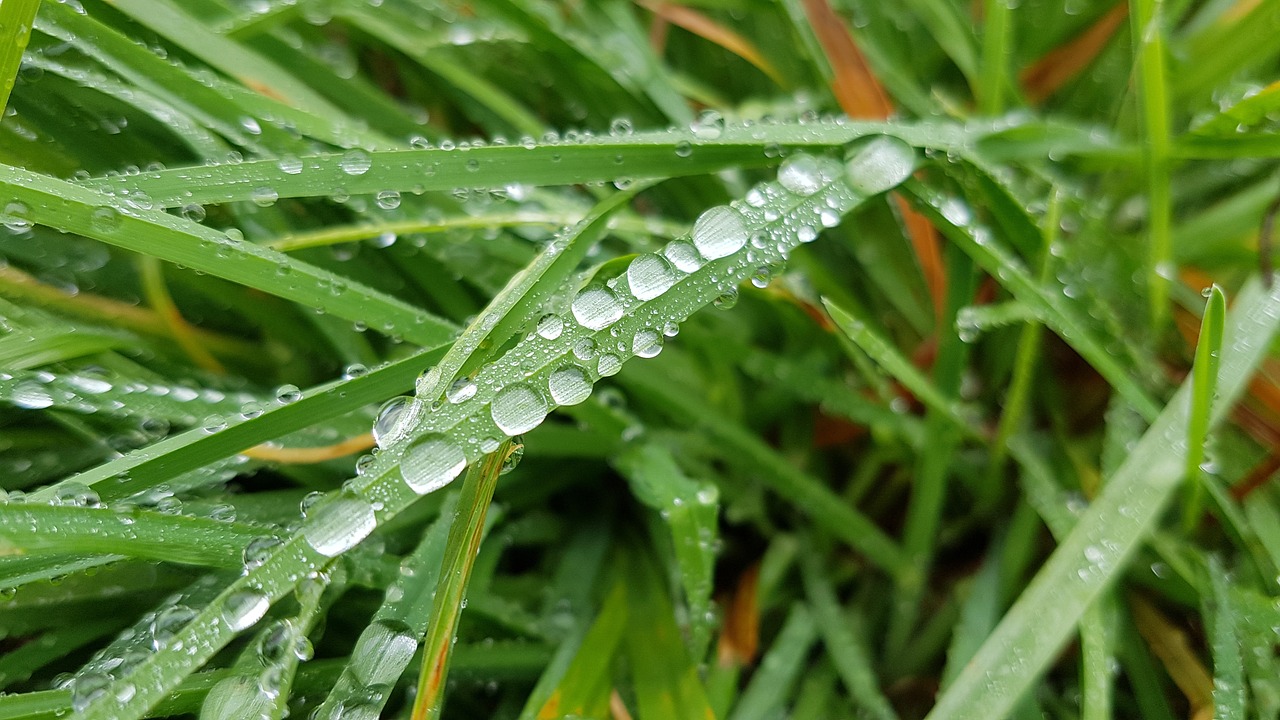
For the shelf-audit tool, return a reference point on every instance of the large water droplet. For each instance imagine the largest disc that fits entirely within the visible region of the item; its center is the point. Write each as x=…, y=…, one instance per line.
x=244, y=608
x=30, y=395
x=880, y=164
x=596, y=307
x=708, y=126
x=258, y=550
x=649, y=276
x=462, y=390
x=396, y=416
x=719, y=232
x=431, y=463
x=609, y=364
x=646, y=344
x=683, y=255
x=356, y=162
x=801, y=175
x=339, y=526
x=569, y=386
x=236, y=698
x=87, y=688
x=382, y=653
x=550, y=326
x=517, y=409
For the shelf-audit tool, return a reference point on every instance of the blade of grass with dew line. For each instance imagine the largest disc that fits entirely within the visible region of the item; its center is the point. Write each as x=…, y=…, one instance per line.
x=16, y=18
x=1097, y=548
x=1204, y=378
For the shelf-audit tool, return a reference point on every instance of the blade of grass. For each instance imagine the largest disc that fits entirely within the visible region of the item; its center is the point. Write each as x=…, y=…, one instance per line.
x=1096, y=550
x=1228, y=665
x=1148, y=37
x=1204, y=374
x=64, y=206
x=16, y=19
x=771, y=685
x=450, y=594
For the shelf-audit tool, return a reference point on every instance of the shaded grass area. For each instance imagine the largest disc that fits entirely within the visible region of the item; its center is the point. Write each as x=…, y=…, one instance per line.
x=809, y=359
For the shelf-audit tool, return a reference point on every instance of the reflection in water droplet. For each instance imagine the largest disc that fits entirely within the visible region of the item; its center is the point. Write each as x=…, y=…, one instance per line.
x=550, y=326
x=569, y=386
x=879, y=165
x=646, y=343
x=720, y=231
x=356, y=162
x=517, y=409
x=649, y=276
x=431, y=463
x=801, y=175
x=244, y=608
x=596, y=308
x=382, y=653
x=395, y=418
x=339, y=526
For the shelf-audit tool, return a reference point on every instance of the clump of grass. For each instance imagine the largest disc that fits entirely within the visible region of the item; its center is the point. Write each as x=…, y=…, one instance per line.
x=532, y=360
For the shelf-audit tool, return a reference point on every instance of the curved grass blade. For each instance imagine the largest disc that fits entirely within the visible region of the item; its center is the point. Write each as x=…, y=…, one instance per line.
x=1106, y=536
x=16, y=18
x=129, y=225
x=465, y=533
x=1204, y=378
x=637, y=156
x=31, y=529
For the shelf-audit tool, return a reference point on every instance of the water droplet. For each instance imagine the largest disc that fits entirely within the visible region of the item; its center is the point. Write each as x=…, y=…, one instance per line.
x=382, y=653
x=236, y=698
x=720, y=231
x=244, y=608
x=584, y=349
x=879, y=165
x=596, y=307
x=87, y=689
x=801, y=175
x=517, y=409
x=388, y=199
x=512, y=460
x=105, y=219
x=708, y=126
x=727, y=300
x=683, y=149
x=356, y=162
x=75, y=494
x=286, y=394
x=168, y=623
x=683, y=255
x=806, y=234
x=14, y=217
x=432, y=462
x=30, y=395
x=569, y=385
x=761, y=277
x=394, y=419
x=609, y=364
x=646, y=343
x=339, y=525
x=649, y=276
x=258, y=550
x=290, y=165
x=621, y=127
x=461, y=390
x=264, y=196
x=550, y=326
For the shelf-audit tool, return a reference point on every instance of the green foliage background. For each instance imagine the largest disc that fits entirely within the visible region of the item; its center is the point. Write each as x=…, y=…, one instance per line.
x=1022, y=474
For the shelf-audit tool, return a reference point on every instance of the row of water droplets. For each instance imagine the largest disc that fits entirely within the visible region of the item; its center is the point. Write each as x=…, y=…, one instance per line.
x=558, y=363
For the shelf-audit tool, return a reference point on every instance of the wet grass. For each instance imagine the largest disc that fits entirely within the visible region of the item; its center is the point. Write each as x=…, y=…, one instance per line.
x=521, y=359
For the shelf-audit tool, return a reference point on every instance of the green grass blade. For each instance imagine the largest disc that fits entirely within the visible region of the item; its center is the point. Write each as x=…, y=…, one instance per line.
x=1204, y=379
x=1096, y=550
x=16, y=19
x=131, y=226
x=1228, y=665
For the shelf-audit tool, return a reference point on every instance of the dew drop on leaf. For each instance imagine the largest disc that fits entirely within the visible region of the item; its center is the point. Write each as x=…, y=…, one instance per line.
x=244, y=608
x=550, y=326
x=235, y=698
x=383, y=652
x=596, y=308
x=517, y=409
x=720, y=231
x=395, y=417
x=339, y=525
x=646, y=343
x=356, y=162
x=683, y=255
x=462, y=390
x=609, y=364
x=649, y=276
x=880, y=164
x=432, y=462
x=569, y=385
x=801, y=175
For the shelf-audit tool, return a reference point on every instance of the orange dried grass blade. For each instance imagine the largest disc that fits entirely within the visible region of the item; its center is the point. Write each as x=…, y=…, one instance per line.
x=1169, y=643
x=860, y=95
x=1048, y=74
x=307, y=456
x=712, y=31
x=740, y=638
